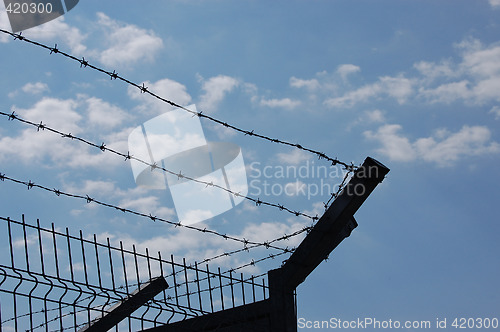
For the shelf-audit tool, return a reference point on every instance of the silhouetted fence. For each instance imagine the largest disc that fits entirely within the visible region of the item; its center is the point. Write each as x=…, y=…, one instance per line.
x=58, y=281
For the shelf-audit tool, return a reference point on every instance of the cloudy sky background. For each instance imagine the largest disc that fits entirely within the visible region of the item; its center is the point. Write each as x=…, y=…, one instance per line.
x=412, y=84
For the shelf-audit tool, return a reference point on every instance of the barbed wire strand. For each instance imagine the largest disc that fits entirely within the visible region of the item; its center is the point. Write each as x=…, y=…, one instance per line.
x=350, y=167
x=88, y=199
x=114, y=76
x=102, y=147
x=336, y=194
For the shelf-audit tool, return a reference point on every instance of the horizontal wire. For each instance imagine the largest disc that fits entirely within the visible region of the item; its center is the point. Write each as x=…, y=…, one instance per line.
x=88, y=199
x=177, y=285
x=114, y=76
x=41, y=126
x=182, y=266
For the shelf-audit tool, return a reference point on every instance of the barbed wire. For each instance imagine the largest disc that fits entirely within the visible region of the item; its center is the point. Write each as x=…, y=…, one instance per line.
x=247, y=243
x=30, y=184
x=102, y=147
x=144, y=89
x=336, y=194
x=113, y=75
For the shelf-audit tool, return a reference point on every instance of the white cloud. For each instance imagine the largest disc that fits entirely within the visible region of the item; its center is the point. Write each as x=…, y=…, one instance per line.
x=375, y=116
x=447, y=93
x=146, y=205
x=432, y=71
x=166, y=88
x=295, y=188
x=49, y=149
x=31, y=88
x=347, y=69
x=399, y=88
x=90, y=187
x=104, y=114
x=481, y=61
x=443, y=149
x=283, y=103
x=57, y=113
x=495, y=3
x=353, y=97
x=496, y=110
x=294, y=157
x=272, y=230
x=35, y=88
x=475, y=79
x=4, y=24
x=126, y=43
x=367, y=118
x=215, y=89
x=394, y=146
x=469, y=141
x=222, y=132
x=311, y=84
x=56, y=31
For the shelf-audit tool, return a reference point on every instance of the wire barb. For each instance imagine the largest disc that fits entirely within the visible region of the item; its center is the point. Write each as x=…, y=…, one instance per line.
x=154, y=166
x=54, y=49
x=144, y=89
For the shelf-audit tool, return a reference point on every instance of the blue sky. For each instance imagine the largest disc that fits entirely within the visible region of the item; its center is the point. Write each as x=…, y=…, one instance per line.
x=413, y=84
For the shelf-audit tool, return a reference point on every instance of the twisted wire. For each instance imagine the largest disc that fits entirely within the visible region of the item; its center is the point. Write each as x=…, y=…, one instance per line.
x=102, y=147
x=144, y=89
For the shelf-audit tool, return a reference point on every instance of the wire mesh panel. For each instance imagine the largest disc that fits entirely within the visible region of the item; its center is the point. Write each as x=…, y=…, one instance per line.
x=52, y=280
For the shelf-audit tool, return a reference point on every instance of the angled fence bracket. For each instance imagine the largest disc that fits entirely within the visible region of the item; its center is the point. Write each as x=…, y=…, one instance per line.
x=125, y=308
x=278, y=312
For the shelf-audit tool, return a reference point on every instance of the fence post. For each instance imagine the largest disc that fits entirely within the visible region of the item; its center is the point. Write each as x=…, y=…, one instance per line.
x=334, y=226
x=282, y=316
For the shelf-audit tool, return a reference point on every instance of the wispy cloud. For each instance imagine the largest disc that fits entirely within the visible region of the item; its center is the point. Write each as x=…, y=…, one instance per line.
x=215, y=89
x=494, y=3
x=47, y=149
x=474, y=79
x=444, y=148
x=399, y=88
x=167, y=88
x=311, y=84
x=104, y=114
x=31, y=88
x=293, y=157
x=496, y=110
x=347, y=69
x=280, y=103
x=126, y=43
x=58, y=31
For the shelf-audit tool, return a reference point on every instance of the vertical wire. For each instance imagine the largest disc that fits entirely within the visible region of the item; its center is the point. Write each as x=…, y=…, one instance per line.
x=14, y=269
x=210, y=289
x=72, y=278
x=44, y=276
x=58, y=276
x=29, y=273
x=126, y=281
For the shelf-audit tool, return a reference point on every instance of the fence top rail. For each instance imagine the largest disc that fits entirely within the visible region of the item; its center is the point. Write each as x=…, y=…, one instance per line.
x=195, y=267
